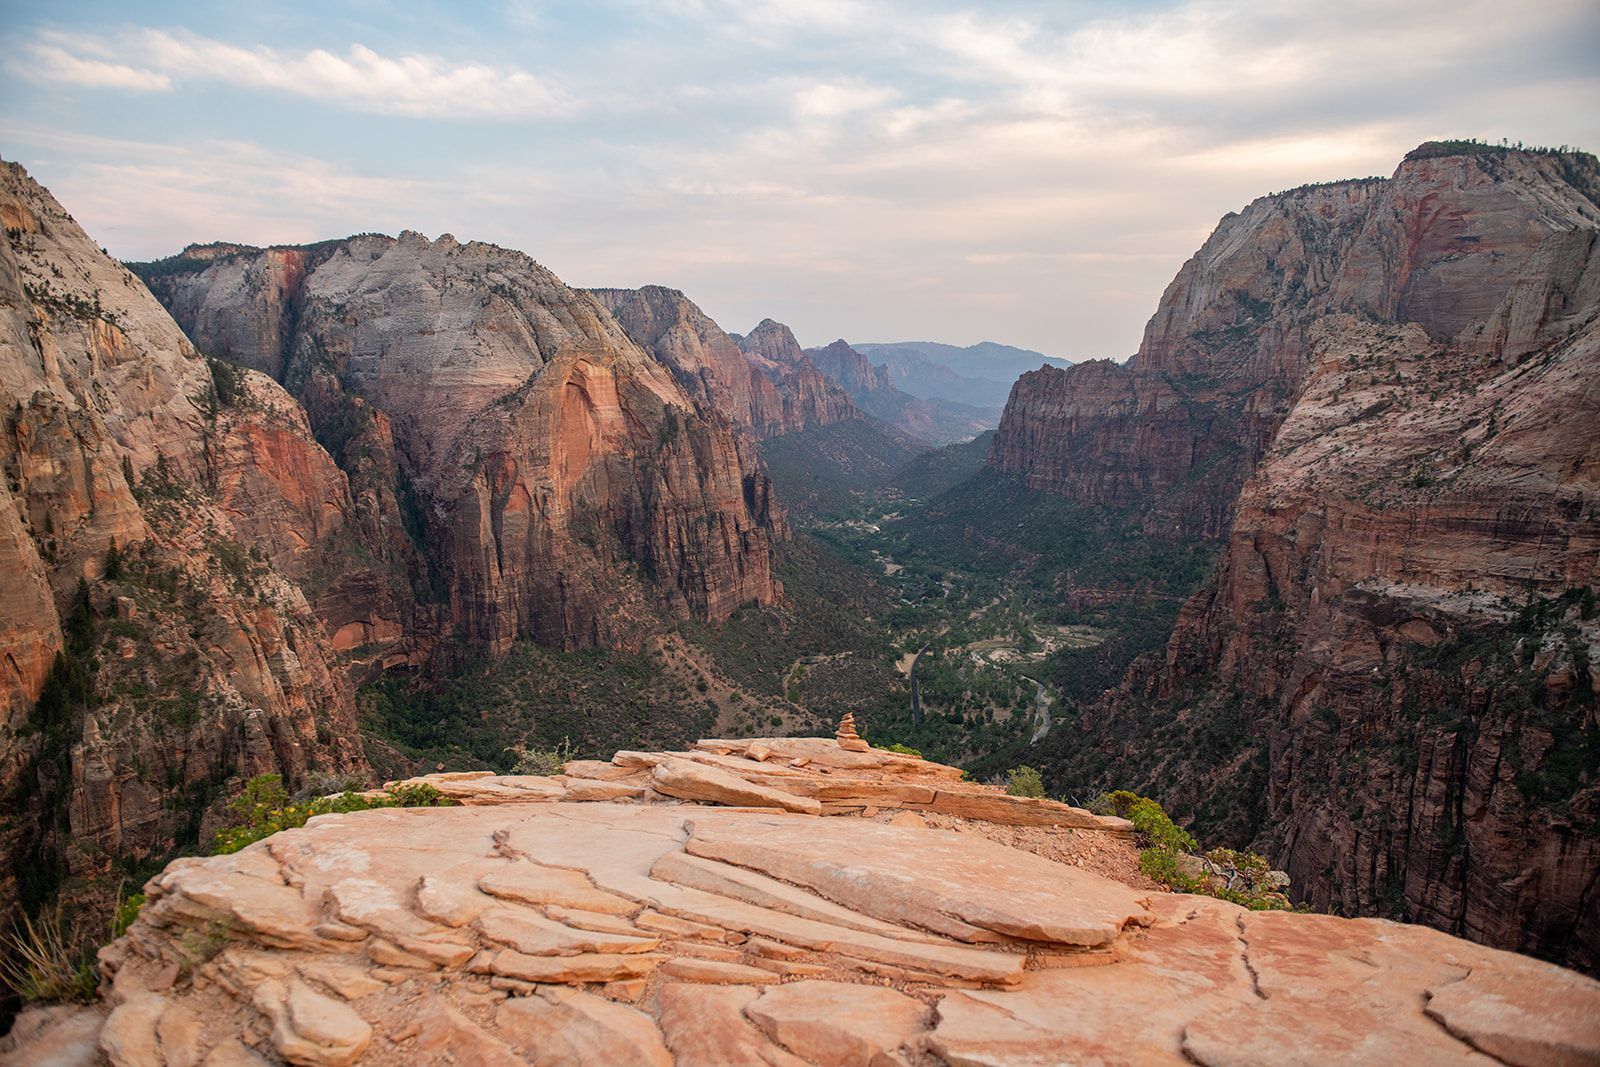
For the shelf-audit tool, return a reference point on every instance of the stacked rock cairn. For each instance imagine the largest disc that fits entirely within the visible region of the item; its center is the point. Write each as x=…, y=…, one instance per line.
x=849, y=740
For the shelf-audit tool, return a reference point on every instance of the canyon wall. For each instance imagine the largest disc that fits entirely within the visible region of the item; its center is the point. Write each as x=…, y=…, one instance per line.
x=765, y=384
x=156, y=642
x=795, y=395
x=1389, y=685
x=1183, y=423
x=566, y=485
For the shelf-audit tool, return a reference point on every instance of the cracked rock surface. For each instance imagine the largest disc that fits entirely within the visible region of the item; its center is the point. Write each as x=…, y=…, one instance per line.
x=535, y=929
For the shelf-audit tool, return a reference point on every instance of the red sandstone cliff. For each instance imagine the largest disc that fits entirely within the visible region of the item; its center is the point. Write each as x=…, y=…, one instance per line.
x=1389, y=685
x=137, y=682
x=872, y=389
x=565, y=484
x=1183, y=423
x=842, y=364
x=704, y=359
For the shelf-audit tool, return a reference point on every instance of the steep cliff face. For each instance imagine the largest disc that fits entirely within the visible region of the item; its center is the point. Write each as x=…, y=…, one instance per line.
x=566, y=485
x=1409, y=597
x=704, y=359
x=1183, y=422
x=155, y=643
x=790, y=393
x=1441, y=243
x=1389, y=685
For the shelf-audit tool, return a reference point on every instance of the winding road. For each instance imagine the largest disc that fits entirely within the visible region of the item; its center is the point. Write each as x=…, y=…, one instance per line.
x=1041, y=705
x=916, y=690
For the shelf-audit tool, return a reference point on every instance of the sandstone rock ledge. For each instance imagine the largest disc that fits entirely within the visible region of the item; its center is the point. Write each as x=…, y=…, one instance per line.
x=810, y=775
x=528, y=927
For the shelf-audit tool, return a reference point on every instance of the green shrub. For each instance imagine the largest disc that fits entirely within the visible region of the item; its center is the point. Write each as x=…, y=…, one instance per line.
x=127, y=911
x=228, y=380
x=1024, y=781
x=1161, y=865
x=1243, y=878
x=542, y=761
x=416, y=795
x=264, y=808
x=904, y=750
x=1151, y=823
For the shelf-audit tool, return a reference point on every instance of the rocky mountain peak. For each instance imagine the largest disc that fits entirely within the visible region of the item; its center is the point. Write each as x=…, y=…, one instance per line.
x=772, y=343
x=503, y=393
x=1493, y=252
x=1381, y=396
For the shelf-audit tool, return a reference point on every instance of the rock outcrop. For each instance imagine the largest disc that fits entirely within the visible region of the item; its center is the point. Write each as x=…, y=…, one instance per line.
x=764, y=384
x=566, y=486
x=1389, y=686
x=621, y=931
x=157, y=521
x=794, y=394
x=842, y=364
x=704, y=359
x=1442, y=243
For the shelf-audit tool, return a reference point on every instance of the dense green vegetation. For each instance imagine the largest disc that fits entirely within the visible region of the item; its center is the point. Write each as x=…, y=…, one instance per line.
x=1471, y=146
x=1022, y=601
x=829, y=469
x=264, y=808
x=932, y=473
x=1171, y=855
x=532, y=698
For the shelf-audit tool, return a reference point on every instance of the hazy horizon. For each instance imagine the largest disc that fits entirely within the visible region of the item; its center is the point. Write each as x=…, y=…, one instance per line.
x=1025, y=173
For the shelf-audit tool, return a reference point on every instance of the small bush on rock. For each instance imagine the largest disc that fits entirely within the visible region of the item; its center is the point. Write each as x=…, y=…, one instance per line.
x=1170, y=855
x=1024, y=781
x=1151, y=822
x=264, y=808
x=542, y=761
x=43, y=958
x=127, y=910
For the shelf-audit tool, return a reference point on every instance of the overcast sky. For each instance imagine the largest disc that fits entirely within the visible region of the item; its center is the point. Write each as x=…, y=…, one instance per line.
x=1031, y=173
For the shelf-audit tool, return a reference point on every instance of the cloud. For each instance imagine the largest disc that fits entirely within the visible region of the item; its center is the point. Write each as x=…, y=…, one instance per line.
x=414, y=85
x=1029, y=172
x=146, y=200
x=57, y=64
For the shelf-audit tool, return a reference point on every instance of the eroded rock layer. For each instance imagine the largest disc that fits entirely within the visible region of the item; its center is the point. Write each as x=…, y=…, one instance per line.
x=1389, y=685
x=792, y=394
x=658, y=933
x=1489, y=249
x=156, y=642
x=565, y=485
x=872, y=388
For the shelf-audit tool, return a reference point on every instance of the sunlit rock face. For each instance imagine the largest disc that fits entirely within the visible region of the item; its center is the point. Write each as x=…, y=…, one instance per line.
x=561, y=483
x=1388, y=687
x=589, y=917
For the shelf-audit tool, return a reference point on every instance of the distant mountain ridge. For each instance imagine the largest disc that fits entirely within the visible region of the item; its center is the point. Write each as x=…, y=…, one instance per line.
x=872, y=388
x=979, y=375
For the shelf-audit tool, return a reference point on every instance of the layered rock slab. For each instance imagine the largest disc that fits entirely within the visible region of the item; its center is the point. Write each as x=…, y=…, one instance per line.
x=276, y=962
